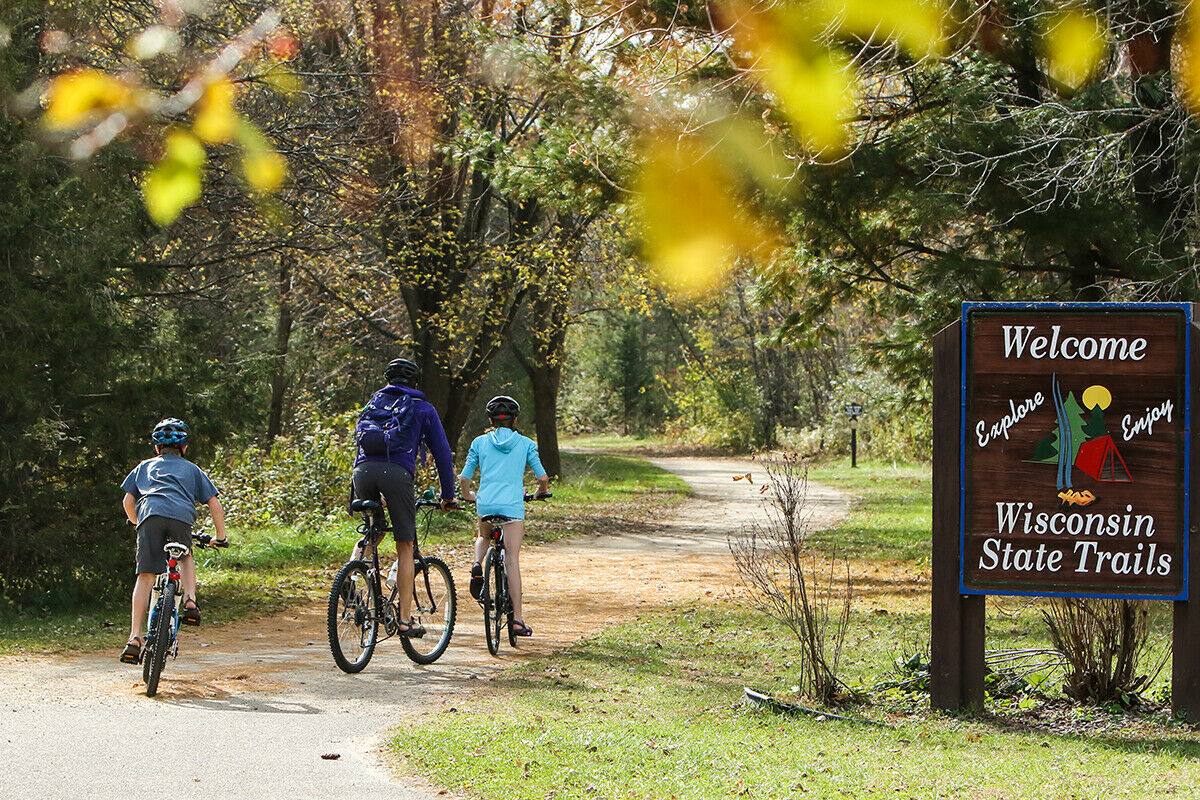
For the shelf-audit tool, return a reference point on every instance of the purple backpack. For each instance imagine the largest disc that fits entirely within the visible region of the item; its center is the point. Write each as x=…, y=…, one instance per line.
x=385, y=426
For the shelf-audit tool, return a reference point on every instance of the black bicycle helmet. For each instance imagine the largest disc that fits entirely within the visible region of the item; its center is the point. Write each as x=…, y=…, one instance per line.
x=503, y=407
x=170, y=432
x=402, y=372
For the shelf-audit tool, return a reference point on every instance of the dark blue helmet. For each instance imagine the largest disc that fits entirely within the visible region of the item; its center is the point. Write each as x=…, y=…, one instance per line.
x=402, y=372
x=171, y=432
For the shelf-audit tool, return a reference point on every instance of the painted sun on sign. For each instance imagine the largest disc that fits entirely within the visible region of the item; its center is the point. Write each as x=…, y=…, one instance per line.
x=1081, y=441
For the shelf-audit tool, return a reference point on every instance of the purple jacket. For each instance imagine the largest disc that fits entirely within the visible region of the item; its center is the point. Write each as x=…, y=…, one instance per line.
x=429, y=431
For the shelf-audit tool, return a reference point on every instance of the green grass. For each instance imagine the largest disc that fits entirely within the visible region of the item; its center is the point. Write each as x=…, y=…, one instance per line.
x=654, y=708
x=614, y=441
x=892, y=511
x=271, y=569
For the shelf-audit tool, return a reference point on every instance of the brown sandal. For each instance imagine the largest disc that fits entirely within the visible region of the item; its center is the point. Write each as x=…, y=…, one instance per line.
x=132, y=653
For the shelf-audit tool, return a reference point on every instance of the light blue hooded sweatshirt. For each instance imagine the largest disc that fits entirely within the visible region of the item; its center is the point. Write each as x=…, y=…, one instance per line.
x=502, y=456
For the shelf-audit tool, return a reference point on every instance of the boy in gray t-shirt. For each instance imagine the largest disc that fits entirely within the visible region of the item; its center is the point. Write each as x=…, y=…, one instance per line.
x=161, y=495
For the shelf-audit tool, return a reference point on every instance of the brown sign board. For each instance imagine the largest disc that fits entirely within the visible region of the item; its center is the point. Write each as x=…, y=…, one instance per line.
x=1075, y=449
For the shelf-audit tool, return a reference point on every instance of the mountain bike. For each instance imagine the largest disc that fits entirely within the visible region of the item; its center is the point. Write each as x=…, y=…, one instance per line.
x=494, y=597
x=359, y=607
x=162, y=629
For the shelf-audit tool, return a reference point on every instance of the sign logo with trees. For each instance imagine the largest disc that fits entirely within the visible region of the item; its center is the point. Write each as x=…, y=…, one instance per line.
x=1074, y=449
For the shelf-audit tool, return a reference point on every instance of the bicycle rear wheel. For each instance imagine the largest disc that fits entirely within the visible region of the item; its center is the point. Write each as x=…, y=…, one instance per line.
x=435, y=605
x=353, y=620
x=160, y=640
x=493, y=599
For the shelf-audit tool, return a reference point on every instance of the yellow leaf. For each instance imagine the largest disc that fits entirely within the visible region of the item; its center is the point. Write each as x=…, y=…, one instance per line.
x=74, y=97
x=1074, y=45
x=693, y=227
x=918, y=26
x=181, y=146
x=265, y=170
x=175, y=182
x=1188, y=67
x=816, y=90
x=215, y=118
x=813, y=85
x=283, y=80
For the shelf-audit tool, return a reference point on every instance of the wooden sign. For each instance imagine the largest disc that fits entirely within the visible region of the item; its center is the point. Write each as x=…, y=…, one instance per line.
x=1075, y=449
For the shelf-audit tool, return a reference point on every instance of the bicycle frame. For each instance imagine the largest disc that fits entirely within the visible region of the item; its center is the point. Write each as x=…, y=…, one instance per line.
x=373, y=531
x=357, y=601
x=175, y=553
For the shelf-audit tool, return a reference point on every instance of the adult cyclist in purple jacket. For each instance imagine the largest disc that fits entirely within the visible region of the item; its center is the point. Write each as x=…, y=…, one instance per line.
x=390, y=473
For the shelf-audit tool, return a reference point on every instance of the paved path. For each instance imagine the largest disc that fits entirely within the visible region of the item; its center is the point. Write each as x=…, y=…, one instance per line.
x=249, y=708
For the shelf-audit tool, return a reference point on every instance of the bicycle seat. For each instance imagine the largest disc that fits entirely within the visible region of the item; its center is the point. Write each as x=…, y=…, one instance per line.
x=176, y=550
x=497, y=518
x=359, y=506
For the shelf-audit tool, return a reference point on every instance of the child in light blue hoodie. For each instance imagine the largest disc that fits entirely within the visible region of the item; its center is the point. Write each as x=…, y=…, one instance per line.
x=501, y=455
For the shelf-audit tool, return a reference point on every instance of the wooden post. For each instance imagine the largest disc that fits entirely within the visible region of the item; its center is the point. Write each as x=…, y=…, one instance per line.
x=958, y=620
x=1185, y=634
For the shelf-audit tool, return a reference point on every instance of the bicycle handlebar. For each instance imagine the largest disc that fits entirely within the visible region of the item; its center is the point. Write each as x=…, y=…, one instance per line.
x=207, y=540
x=423, y=503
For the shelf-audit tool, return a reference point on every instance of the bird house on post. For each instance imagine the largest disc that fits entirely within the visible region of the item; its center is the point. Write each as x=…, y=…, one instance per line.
x=1062, y=467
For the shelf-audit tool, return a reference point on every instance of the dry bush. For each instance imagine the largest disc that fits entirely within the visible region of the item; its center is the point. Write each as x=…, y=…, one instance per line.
x=808, y=590
x=1103, y=642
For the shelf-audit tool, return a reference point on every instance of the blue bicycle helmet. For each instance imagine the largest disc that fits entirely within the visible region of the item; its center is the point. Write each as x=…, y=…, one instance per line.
x=170, y=432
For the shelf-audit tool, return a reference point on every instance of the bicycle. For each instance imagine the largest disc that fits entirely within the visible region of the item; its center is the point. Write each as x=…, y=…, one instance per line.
x=494, y=597
x=162, y=629
x=357, y=605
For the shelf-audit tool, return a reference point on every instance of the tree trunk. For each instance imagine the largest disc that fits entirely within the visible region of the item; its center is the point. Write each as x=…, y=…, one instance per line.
x=283, y=335
x=545, y=416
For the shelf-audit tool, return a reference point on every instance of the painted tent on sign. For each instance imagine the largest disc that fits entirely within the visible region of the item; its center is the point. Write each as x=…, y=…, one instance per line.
x=1100, y=459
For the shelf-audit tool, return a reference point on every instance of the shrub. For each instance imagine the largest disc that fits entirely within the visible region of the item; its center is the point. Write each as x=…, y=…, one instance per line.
x=1103, y=642
x=303, y=477
x=807, y=590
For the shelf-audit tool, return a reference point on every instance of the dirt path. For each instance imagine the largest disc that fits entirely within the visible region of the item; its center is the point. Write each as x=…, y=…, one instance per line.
x=249, y=708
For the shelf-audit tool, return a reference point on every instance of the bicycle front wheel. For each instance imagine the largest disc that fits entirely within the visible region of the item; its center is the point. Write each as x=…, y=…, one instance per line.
x=435, y=605
x=353, y=621
x=495, y=594
x=160, y=640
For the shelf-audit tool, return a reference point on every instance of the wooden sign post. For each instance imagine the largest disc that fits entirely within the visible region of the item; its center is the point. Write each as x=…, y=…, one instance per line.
x=1062, y=467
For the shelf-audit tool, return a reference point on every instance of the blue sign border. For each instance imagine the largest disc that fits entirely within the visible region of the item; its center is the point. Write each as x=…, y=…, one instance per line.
x=967, y=308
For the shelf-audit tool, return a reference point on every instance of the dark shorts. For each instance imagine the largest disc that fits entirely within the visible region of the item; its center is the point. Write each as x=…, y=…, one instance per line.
x=375, y=478
x=153, y=533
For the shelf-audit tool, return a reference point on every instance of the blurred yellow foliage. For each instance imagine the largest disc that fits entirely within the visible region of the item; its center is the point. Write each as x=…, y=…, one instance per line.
x=175, y=182
x=215, y=118
x=265, y=170
x=693, y=226
x=1188, y=68
x=813, y=85
x=918, y=26
x=283, y=80
x=1074, y=46
x=74, y=97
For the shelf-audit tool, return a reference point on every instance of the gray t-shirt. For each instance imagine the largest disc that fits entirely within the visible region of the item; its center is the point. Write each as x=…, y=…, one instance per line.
x=169, y=486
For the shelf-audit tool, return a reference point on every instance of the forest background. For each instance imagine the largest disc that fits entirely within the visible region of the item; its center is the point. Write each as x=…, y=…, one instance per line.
x=712, y=223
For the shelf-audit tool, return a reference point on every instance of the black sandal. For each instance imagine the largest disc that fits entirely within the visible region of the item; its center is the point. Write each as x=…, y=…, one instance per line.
x=411, y=629
x=522, y=630
x=132, y=653
x=476, y=587
x=190, y=616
